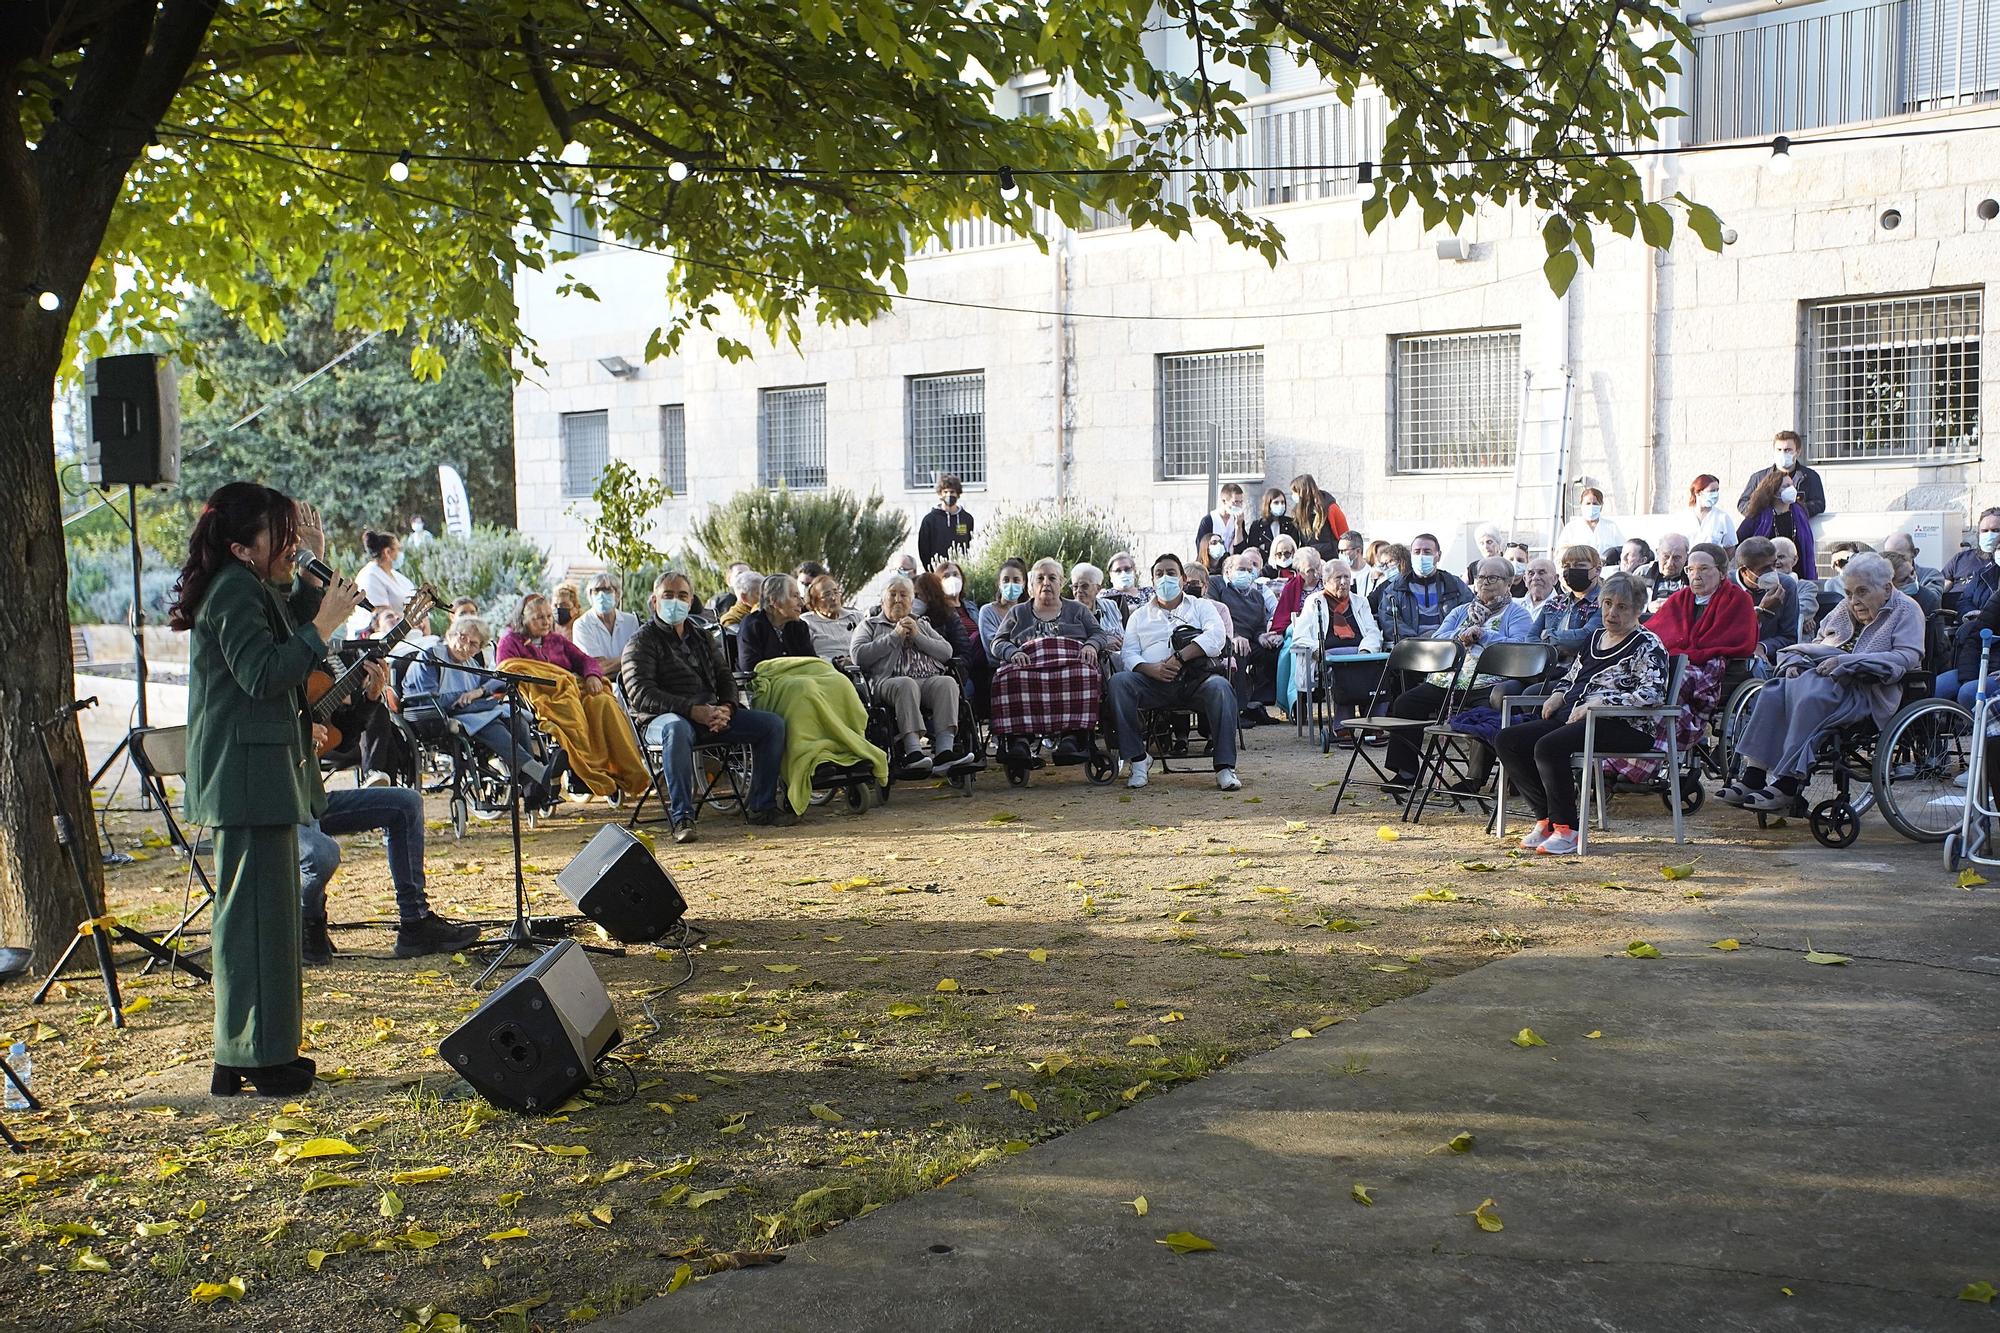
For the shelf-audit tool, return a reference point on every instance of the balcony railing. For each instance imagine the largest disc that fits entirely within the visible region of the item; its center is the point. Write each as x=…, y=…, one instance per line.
x=1839, y=66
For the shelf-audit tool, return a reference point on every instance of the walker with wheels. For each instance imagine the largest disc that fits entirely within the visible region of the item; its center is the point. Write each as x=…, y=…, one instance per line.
x=1971, y=845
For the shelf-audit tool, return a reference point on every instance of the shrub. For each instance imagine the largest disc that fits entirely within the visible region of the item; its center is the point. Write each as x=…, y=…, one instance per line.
x=773, y=531
x=1068, y=533
x=494, y=566
x=100, y=583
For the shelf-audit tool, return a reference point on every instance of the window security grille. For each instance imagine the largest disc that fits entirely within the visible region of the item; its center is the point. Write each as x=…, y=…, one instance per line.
x=1457, y=401
x=674, y=448
x=1894, y=379
x=945, y=430
x=791, y=438
x=586, y=449
x=1201, y=393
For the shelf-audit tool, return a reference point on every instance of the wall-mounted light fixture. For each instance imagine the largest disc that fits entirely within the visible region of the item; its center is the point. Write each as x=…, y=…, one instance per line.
x=618, y=366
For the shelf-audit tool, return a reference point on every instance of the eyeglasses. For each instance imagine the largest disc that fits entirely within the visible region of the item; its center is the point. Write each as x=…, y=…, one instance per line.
x=1491, y=578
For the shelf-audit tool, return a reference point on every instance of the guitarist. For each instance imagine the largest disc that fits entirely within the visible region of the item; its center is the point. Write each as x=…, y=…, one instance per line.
x=399, y=813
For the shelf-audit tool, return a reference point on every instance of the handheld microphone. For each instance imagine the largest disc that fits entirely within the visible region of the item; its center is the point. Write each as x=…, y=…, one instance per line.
x=311, y=564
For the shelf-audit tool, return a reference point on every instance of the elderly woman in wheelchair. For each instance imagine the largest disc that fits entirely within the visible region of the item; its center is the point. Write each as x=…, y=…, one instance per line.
x=1851, y=675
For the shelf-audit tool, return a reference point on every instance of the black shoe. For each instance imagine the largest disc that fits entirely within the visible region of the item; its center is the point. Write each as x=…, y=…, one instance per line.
x=1251, y=719
x=774, y=817
x=315, y=944
x=684, y=830
x=285, y=1080
x=432, y=933
x=911, y=761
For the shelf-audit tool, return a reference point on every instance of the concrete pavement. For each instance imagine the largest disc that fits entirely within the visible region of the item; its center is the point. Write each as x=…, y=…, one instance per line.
x=1755, y=1142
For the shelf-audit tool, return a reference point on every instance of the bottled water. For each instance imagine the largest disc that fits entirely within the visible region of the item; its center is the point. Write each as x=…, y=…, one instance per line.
x=22, y=1061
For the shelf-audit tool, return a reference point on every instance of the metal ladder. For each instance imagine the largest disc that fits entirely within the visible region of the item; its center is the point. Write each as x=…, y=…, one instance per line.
x=1541, y=458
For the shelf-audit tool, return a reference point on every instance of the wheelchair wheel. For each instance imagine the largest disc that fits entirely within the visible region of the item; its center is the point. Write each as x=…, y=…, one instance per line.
x=1954, y=860
x=1922, y=754
x=1100, y=768
x=858, y=798
x=1730, y=721
x=1017, y=776
x=1835, y=823
x=1692, y=795
x=459, y=816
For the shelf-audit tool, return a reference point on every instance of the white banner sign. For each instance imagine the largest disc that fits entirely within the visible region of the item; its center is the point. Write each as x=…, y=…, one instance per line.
x=457, y=509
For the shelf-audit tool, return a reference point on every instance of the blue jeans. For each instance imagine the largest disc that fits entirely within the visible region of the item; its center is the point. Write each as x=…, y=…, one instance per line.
x=1967, y=693
x=675, y=736
x=399, y=813
x=1947, y=685
x=1213, y=699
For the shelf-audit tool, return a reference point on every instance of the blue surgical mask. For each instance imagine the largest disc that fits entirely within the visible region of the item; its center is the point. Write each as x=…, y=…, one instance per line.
x=1277, y=509
x=1011, y=592
x=1167, y=587
x=1592, y=513
x=1425, y=565
x=672, y=611
x=1710, y=499
x=1989, y=541
x=604, y=602
x=1241, y=580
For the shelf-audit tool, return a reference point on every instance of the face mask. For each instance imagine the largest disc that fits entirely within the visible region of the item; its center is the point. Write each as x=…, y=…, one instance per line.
x=952, y=584
x=1425, y=565
x=671, y=611
x=1234, y=509
x=1989, y=542
x=1520, y=568
x=1011, y=592
x=1277, y=509
x=1386, y=566
x=1592, y=513
x=1786, y=460
x=1124, y=579
x=1789, y=494
x=397, y=563
x=1281, y=562
x=1577, y=580
x=1241, y=580
x=1167, y=587
x=1216, y=550
x=562, y=615
x=605, y=602
x=1710, y=499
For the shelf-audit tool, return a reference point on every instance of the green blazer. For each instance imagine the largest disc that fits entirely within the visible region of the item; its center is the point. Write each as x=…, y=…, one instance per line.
x=250, y=758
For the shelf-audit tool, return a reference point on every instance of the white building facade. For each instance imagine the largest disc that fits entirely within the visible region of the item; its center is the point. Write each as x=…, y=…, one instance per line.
x=1394, y=367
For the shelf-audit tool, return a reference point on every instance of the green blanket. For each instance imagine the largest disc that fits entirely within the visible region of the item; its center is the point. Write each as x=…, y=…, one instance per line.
x=824, y=721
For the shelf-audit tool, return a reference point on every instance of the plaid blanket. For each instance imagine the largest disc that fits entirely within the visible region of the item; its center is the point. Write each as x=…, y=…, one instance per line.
x=1050, y=690
x=1701, y=698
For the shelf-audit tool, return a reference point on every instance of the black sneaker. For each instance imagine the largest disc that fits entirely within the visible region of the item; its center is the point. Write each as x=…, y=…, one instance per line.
x=775, y=817
x=315, y=944
x=911, y=761
x=684, y=830
x=432, y=933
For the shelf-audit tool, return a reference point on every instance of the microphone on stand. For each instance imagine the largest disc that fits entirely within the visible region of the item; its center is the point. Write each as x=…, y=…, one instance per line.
x=309, y=563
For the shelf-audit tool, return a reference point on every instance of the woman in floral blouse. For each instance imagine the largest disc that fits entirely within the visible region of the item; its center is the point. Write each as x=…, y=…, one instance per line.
x=1619, y=666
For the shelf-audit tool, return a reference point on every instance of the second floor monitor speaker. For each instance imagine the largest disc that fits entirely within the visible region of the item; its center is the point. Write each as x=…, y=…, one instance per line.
x=135, y=420
x=616, y=882
x=537, y=1040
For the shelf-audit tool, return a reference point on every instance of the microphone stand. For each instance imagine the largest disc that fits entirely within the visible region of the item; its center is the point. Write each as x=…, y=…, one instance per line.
x=520, y=933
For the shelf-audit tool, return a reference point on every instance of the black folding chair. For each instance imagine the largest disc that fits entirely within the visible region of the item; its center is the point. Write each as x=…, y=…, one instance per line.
x=1410, y=657
x=159, y=753
x=1448, y=751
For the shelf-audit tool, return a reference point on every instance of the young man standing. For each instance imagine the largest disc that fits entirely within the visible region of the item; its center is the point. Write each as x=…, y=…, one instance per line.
x=946, y=531
x=1168, y=644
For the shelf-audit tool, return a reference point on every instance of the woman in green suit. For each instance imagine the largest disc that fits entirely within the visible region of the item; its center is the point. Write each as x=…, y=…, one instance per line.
x=252, y=773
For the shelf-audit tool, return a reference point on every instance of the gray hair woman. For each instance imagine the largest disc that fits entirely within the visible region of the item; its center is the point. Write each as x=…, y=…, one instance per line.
x=1037, y=694
x=479, y=705
x=907, y=663
x=748, y=585
x=1850, y=673
x=774, y=629
x=1086, y=582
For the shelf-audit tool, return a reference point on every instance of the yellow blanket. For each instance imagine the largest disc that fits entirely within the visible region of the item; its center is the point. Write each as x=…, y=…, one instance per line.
x=824, y=721
x=603, y=750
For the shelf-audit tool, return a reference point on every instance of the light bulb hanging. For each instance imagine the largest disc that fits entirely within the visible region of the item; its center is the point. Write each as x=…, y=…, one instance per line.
x=1781, y=162
x=155, y=150
x=399, y=170
x=677, y=171
x=1009, y=189
x=49, y=301
x=1367, y=172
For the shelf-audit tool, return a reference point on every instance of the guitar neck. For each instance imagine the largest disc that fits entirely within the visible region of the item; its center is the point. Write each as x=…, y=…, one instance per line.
x=344, y=685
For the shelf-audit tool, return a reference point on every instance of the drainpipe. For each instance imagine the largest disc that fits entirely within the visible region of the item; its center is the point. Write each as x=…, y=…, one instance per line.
x=1743, y=10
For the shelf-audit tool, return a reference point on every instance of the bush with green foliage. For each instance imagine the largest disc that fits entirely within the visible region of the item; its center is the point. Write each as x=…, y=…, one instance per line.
x=100, y=582
x=773, y=531
x=1066, y=532
x=494, y=567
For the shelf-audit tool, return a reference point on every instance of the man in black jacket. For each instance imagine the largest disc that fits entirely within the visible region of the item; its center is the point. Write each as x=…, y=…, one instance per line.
x=946, y=531
x=681, y=690
x=1805, y=482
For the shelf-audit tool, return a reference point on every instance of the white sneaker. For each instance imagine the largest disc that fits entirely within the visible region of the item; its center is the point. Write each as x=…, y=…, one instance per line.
x=1538, y=835
x=1138, y=778
x=375, y=777
x=1226, y=779
x=1560, y=842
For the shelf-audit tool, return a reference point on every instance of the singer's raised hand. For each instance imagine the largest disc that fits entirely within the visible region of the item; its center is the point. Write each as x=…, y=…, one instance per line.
x=336, y=604
x=312, y=530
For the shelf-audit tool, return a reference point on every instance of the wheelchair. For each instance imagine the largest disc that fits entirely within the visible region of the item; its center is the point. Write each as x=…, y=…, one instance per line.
x=1910, y=768
x=882, y=734
x=478, y=780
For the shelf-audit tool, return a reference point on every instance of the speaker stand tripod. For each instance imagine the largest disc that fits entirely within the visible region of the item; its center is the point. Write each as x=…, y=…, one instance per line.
x=520, y=933
x=100, y=928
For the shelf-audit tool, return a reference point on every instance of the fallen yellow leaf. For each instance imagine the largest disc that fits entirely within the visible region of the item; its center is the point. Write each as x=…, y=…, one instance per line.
x=420, y=1176
x=313, y=1148
x=821, y=1111
x=1184, y=1242
x=1679, y=872
x=1981, y=1292
x=511, y=1233
x=1486, y=1217
x=1641, y=949
x=1593, y=1035
x=1361, y=1195
x=946, y=985
x=1144, y=1039
x=1139, y=1205
x=1300, y=1034
x=1527, y=1037
x=1023, y=1100
x=1727, y=946
x=682, y=1276
x=208, y=1293
x=1461, y=1141
x=904, y=1009
x=1387, y=834
x=1038, y=955
x=1815, y=956
x=1969, y=878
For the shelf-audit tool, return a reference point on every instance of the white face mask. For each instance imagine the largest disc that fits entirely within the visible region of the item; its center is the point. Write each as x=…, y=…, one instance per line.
x=1789, y=494
x=952, y=584
x=1785, y=460
x=1216, y=550
x=1122, y=579
x=1592, y=513
x=1277, y=509
x=1281, y=561
x=1710, y=499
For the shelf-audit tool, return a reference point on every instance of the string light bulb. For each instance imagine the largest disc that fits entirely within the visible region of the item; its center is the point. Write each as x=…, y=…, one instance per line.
x=1009, y=189
x=156, y=150
x=1367, y=172
x=1781, y=162
x=575, y=154
x=399, y=170
x=49, y=301
x=677, y=171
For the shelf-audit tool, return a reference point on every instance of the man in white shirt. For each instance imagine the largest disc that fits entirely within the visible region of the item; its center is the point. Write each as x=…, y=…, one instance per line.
x=1541, y=578
x=603, y=630
x=1154, y=671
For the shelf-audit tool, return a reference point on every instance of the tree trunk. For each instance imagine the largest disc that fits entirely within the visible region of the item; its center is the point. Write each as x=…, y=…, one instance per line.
x=40, y=902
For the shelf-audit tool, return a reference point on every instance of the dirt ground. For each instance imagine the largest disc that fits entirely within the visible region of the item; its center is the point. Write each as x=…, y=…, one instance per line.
x=881, y=1002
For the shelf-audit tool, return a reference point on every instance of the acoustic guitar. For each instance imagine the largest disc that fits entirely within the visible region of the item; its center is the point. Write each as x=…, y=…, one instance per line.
x=326, y=692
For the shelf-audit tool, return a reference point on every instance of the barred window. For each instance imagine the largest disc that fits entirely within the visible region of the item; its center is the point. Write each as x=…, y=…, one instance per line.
x=1457, y=401
x=1894, y=379
x=1206, y=396
x=586, y=448
x=791, y=438
x=945, y=429
x=674, y=448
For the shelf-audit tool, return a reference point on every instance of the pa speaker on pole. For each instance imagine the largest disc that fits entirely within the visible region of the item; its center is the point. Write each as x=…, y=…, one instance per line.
x=616, y=882
x=135, y=420
x=537, y=1040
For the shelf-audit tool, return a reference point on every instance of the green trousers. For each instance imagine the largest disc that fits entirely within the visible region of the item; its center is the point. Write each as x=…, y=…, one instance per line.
x=259, y=1014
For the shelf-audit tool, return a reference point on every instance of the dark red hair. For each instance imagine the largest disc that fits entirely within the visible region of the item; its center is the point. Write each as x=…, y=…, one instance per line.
x=1701, y=483
x=234, y=516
